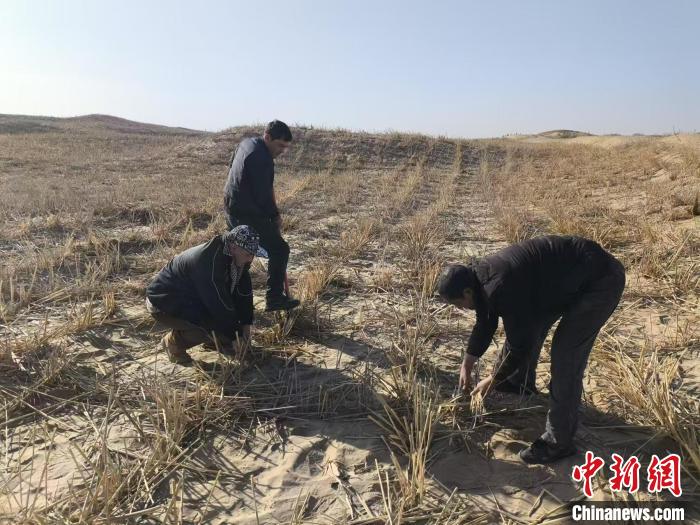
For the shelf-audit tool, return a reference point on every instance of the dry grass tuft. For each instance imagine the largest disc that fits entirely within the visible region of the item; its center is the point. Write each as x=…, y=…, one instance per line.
x=314, y=281
x=354, y=240
x=420, y=235
x=648, y=390
x=412, y=435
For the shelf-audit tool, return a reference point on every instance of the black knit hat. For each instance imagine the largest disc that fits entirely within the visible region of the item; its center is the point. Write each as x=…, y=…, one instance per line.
x=247, y=238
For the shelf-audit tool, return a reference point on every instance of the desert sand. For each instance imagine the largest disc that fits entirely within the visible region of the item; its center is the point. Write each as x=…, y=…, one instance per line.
x=344, y=411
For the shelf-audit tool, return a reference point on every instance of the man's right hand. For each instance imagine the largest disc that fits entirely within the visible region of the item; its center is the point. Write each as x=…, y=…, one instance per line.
x=240, y=347
x=464, y=378
x=465, y=373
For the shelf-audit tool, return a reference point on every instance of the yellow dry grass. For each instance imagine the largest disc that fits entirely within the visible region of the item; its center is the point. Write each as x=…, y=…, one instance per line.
x=98, y=428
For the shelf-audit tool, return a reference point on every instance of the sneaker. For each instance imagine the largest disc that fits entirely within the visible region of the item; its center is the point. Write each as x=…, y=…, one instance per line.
x=281, y=303
x=175, y=354
x=541, y=452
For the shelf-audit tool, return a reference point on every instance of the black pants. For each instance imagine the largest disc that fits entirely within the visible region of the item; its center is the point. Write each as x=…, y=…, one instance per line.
x=571, y=346
x=277, y=249
x=186, y=334
x=526, y=374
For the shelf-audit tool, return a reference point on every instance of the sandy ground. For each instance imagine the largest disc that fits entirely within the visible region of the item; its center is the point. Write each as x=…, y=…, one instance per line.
x=303, y=447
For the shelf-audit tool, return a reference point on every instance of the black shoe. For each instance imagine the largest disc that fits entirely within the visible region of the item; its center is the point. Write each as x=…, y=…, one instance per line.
x=540, y=452
x=281, y=303
x=509, y=388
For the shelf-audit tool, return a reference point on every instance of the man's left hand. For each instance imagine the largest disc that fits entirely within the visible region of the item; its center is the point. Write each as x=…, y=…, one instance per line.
x=246, y=334
x=483, y=387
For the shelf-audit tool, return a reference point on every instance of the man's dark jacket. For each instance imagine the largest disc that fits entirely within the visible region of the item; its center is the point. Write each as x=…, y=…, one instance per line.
x=249, y=188
x=527, y=283
x=196, y=286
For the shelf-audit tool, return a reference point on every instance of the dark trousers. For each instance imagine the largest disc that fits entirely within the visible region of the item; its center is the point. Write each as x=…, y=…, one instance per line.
x=277, y=249
x=185, y=334
x=571, y=346
x=526, y=374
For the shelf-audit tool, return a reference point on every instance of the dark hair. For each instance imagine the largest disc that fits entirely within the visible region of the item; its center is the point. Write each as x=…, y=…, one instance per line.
x=278, y=130
x=454, y=279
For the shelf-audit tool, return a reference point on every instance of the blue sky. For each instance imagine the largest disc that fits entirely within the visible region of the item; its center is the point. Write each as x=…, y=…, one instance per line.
x=457, y=68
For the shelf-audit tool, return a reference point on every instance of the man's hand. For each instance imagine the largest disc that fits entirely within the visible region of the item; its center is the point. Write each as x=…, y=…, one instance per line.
x=464, y=378
x=246, y=333
x=483, y=387
x=465, y=373
x=243, y=341
x=240, y=345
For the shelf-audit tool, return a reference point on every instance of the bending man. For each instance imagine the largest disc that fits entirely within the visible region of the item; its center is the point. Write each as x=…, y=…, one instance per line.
x=530, y=285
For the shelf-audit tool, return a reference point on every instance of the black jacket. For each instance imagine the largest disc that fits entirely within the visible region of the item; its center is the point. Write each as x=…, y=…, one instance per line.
x=527, y=282
x=249, y=187
x=196, y=286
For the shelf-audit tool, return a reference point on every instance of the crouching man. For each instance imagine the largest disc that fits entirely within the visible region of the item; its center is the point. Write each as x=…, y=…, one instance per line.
x=204, y=295
x=530, y=285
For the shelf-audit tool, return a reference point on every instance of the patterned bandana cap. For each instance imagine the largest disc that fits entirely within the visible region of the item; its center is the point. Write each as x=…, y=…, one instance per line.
x=247, y=238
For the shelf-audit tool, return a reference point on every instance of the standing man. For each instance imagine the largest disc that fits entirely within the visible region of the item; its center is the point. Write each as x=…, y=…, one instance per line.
x=204, y=295
x=250, y=199
x=530, y=285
